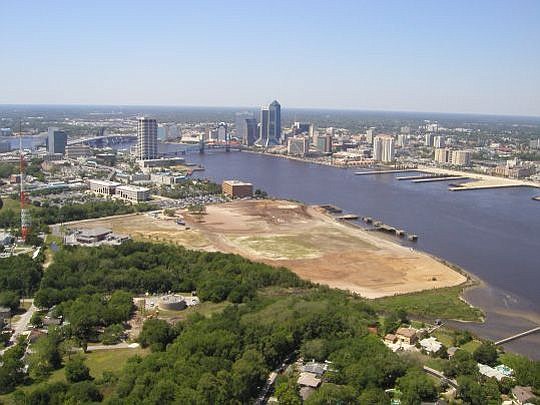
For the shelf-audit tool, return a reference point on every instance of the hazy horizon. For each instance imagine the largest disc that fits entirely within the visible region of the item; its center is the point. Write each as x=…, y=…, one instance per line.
x=422, y=56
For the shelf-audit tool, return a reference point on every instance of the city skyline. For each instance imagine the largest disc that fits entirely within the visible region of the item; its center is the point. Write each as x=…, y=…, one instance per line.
x=421, y=56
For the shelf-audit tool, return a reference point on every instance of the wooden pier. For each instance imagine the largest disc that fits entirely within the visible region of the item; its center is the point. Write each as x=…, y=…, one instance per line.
x=517, y=336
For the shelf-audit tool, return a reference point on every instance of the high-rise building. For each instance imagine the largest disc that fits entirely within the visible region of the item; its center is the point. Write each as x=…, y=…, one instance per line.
x=323, y=143
x=461, y=157
x=405, y=130
x=438, y=141
x=443, y=155
x=298, y=146
x=428, y=139
x=274, y=123
x=300, y=127
x=240, y=124
x=56, y=141
x=147, y=144
x=383, y=148
x=251, y=131
x=402, y=140
x=369, y=135
x=263, y=127
x=222, y=134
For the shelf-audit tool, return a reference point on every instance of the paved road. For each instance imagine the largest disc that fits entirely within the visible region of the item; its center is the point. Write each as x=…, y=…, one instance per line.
x=122, y=345
x=22, y=324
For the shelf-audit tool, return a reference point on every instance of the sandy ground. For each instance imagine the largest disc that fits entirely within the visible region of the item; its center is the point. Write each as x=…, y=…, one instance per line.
x=480, y=181
x=303, y=239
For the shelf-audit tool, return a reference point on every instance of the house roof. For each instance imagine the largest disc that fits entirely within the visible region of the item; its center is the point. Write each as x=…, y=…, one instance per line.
x=315, y=368
x=523, y=394
x=406, y=332
x=308, y=380
x=391, y=337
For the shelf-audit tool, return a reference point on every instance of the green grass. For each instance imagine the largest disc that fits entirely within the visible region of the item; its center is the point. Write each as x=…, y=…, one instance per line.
x=278, y=246
x=10, y=203
x=98, y=362
x=205, y=309
x=441, y=303
x=471, y=346
x=445, y=337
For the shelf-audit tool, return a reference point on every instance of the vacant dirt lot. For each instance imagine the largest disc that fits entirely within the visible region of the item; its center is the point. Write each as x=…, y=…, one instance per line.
x=305, y=240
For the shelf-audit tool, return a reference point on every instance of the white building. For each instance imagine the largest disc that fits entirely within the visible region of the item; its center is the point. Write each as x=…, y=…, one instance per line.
x=77, y=151
x=439, y=142
x=298, y=146
x=461, y=157
x=147, y=144
x=103, y=187
x=383, y=148
x=133, y=193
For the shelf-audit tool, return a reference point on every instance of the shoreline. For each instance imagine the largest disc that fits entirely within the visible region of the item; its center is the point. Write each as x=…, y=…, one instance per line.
x=470, y=282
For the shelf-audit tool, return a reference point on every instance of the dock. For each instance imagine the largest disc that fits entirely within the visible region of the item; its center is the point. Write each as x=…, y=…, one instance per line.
x=347, y=217
x=332, y=209
x=517, y=336
x=365, y=173
x=467, y=187
x=439, y=178
x=381, y=226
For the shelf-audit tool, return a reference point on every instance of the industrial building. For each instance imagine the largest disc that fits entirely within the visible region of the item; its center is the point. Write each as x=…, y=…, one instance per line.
x=237, y=189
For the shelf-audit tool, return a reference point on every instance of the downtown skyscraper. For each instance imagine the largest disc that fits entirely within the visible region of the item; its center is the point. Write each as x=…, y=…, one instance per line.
x=147, y=145
x=270, y=125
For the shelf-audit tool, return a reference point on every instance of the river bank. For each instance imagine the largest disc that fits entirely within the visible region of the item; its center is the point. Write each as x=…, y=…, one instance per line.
x=493, y=234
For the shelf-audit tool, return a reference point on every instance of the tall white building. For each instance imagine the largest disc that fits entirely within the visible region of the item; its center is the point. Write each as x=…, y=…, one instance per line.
x=383, y=148
x=147, y=145
x=438, y=141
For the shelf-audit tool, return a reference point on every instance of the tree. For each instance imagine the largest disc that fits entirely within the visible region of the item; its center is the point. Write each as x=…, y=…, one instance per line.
x=373, y=396
x=248, y=375
x=314, y=349
x=83, y=392
x=112, y=334
x=470, y=391
x=76, y=370
x=157, y=334
x=287, y=393
x=461, y=363
x=416, y=387
x=486, y=353
x=330, y=394
x=10, y=299
x=45, y=356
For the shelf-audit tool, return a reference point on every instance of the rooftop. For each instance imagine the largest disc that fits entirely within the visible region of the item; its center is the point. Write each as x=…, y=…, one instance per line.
x=407, y=332
x=94, y=232
x=237, y=183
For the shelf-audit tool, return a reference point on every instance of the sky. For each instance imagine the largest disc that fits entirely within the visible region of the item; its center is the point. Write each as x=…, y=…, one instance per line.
x=472, y=56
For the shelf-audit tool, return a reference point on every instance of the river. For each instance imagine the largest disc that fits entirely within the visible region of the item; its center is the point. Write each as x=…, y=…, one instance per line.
x=493, y=234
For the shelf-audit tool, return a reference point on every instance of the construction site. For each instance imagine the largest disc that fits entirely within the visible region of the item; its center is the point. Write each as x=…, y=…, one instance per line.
x=305, y=239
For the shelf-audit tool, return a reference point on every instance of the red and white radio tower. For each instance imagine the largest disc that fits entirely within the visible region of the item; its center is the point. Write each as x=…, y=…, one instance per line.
x=25, y=215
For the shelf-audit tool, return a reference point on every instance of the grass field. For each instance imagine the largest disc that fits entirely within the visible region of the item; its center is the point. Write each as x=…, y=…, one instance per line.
x=11, y=204
x=442, y=303
x=98, y=362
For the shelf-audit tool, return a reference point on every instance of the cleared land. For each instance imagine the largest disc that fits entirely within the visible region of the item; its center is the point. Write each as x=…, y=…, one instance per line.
x=301, y=238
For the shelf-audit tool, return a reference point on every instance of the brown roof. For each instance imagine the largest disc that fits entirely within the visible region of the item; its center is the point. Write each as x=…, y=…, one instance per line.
x=406, y=332
x=390, y=337
x=523, y=394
